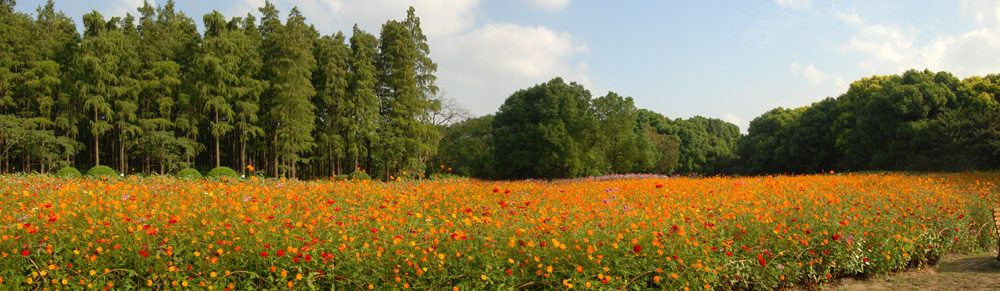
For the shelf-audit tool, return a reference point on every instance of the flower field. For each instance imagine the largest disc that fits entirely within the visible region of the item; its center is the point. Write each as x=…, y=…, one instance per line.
x=630, y=233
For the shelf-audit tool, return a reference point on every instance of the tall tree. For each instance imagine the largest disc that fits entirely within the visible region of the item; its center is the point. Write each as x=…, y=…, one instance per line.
x=289, y=61
x=219, y=79
x=247, y=104
x=331, y=81
x=407, y=84
x=97, y=75
x=362, y=104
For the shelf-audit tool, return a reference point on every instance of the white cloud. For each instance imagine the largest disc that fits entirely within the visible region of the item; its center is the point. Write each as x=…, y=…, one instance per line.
x=121, y=7
x=438, y=18
x=553, y=5
x=841, y=83
x=850, y=18
x=484, y=66
x=888, y=49
x=985, y=12
x=732, y=118
x=810, y=72
x=797, y=4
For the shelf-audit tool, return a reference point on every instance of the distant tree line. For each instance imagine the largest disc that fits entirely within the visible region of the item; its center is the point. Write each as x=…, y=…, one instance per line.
x=919, y=121
x=557, y=130
x=150, y=94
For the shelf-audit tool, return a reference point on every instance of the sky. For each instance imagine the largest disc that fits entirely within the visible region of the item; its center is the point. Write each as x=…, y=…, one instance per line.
x=732, y=60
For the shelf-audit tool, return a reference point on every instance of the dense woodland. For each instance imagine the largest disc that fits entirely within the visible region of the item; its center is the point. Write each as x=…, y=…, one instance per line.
x=151, y=94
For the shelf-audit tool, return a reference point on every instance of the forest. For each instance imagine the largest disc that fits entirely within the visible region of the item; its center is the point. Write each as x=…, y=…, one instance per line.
x=151, y=94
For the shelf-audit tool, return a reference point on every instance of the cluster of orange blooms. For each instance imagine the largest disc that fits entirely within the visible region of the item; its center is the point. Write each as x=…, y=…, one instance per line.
x=624, y=233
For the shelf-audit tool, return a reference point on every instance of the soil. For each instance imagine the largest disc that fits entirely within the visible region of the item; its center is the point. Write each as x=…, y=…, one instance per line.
x=954, y=272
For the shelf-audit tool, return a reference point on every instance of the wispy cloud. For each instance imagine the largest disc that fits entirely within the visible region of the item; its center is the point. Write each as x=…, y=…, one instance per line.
x=553, y=5
x=888, y=49
x=797, y=4
x=810, y=72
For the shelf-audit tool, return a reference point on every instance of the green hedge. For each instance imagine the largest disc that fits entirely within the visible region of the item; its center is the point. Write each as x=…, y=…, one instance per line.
x=189, y=173
x=69, y=172
x=99, y=171
x=359, y=175
x=219, y=172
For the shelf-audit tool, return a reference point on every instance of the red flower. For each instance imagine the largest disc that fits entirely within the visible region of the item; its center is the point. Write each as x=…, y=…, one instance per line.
x=281, y=253
x=144, y=253
x=263, y=254
x=509, y=272
x=25, y=253
x=637, y=248
x=374, y=230
x=729, y=254
x=173, y=221
x=761, y=261
x=495, y=190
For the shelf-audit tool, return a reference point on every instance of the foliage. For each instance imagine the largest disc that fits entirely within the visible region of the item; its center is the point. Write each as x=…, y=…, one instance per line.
x=102, y=172
x=220, y=172
x=69, y=172
x=624, y=145
x=466, y=148
x=189, y=173
x=919, y=120
x=768, y=232
x=359, y=175
x=545, y=131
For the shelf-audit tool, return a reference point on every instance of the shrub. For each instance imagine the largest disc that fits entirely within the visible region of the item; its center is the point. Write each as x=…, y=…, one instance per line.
x=99, y=171
x=219, y=172
x=359, y=175
x=69, y=172
x=189, y=173
x=342, y=177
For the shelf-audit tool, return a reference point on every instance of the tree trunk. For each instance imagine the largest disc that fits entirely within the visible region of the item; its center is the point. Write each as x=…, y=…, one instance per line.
x=217, y=153
x=97, y=149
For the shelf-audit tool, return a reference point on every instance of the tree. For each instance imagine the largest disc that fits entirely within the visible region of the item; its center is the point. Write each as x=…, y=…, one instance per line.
x=707, y=145
x=97, y=76
x=546, y=131
x=247, y=104
x=331, y=83
x=362, y=104
x=764, y=148
x=219, y=76
x=624, y=145
x=407, y=82
x=466, y=148
x=290, y=63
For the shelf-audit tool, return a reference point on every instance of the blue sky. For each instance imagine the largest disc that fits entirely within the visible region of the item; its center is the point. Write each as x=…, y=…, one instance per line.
x=732, y=60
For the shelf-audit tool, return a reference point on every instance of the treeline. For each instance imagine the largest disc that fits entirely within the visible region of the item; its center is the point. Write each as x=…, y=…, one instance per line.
x=150, y=94
x=917, y=121
x=557, y=130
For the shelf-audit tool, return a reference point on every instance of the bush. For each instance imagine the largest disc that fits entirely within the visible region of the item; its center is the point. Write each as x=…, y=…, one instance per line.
x=100, y=171
x=359, y=175
x=69, y=172
x=219, y=172
x=189, y=173
x=343, y=177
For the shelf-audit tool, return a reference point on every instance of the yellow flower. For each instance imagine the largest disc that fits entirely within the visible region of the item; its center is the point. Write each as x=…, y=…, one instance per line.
x=484, y=277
